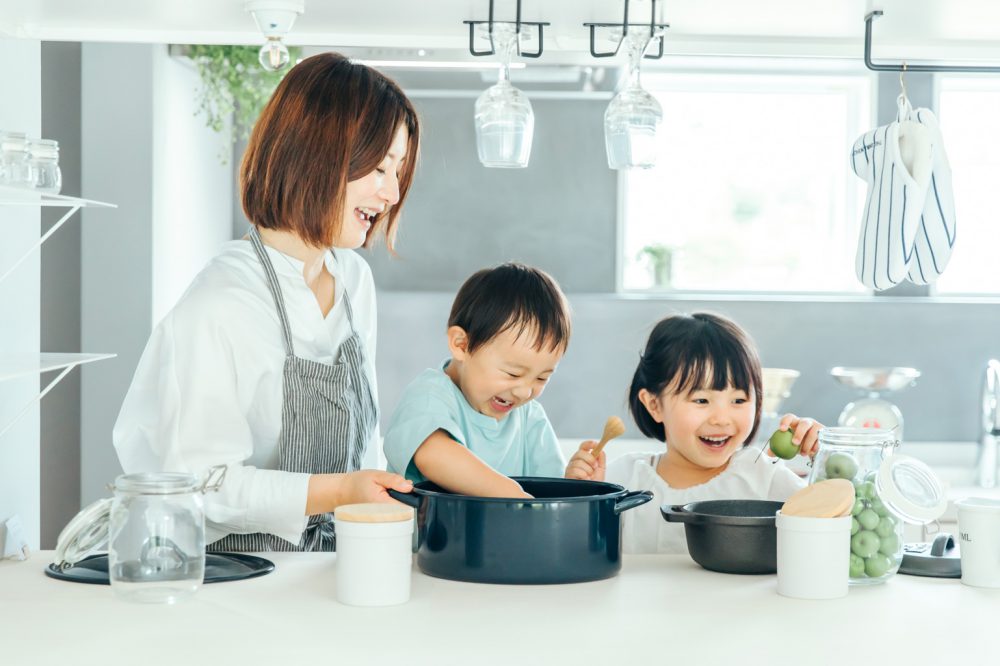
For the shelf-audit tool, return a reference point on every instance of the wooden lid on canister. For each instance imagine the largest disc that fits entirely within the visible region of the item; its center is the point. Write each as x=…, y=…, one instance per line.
x=388, y=512
x=832, y=498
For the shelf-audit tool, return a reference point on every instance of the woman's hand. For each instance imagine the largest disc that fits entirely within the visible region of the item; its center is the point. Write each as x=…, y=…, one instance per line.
x=805, y=433
x=371, y=485
x=584, y=466
x=328, y=491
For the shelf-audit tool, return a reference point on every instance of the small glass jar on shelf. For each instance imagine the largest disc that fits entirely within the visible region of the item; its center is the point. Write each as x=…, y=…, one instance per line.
x=44, y=165
x=889, y=488
x=15, y=169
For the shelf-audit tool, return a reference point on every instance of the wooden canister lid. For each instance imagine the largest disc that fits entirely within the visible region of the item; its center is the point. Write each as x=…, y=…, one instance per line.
x=832, y=498
x=388, y=512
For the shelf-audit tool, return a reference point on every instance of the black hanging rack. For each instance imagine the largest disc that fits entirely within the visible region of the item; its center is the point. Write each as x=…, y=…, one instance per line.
x=518, y=23
x=907, y=67
x=625, y=25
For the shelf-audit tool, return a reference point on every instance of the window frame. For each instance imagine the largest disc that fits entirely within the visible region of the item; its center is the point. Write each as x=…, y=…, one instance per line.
x=758, y=66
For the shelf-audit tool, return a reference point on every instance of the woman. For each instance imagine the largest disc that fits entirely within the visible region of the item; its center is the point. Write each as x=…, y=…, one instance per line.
x=266, y=364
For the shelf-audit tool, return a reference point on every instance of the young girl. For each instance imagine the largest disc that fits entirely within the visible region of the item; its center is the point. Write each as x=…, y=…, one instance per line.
x=698, y=389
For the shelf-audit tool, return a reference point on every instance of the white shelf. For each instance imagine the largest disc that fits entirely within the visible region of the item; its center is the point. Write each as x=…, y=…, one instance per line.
x=21, y=196
x=18, y=196
x=13, y=366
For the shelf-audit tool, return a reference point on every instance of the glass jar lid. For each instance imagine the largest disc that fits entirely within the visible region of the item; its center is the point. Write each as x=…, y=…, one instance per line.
x=910, y=489
x=856, y=436
x=156, y=483
x=85, y=534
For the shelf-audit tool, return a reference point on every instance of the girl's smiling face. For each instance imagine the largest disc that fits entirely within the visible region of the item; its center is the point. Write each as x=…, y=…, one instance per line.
x=704, y=427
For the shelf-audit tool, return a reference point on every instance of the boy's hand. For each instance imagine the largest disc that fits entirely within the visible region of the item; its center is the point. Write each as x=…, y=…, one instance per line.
x=584, y=466
x=805, y=433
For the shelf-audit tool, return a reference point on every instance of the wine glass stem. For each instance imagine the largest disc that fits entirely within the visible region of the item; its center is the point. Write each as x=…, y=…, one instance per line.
x=506, y=48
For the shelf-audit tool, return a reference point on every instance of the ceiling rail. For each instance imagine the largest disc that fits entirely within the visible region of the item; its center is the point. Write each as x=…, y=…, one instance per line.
x=907, y=67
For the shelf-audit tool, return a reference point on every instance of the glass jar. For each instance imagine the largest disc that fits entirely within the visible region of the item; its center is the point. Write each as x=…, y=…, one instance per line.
x=44, y=165
x=156, y=537
x=856, y=454
x=889, y=489
x=14, y=160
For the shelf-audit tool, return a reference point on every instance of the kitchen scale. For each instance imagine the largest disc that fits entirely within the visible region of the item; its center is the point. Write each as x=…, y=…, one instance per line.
x=872, y=410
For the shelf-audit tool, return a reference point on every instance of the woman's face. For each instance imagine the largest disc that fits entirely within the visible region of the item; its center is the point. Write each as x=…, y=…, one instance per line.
x=372, y=194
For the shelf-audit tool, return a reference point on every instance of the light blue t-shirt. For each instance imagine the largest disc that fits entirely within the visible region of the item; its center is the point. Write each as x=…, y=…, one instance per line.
x=521, y=444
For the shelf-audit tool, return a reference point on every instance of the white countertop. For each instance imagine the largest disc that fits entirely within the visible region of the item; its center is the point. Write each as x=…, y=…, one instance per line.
x=663, y=608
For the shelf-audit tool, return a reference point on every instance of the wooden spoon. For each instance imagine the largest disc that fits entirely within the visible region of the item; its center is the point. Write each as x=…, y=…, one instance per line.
x=613, y=428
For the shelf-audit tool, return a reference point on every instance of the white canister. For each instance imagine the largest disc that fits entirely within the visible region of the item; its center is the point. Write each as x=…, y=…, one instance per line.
x=979, y=532
x=374, y=554
x=813, y=556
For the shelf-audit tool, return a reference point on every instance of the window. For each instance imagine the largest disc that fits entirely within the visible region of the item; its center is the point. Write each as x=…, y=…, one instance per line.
x=752, y=191
x=968, y=108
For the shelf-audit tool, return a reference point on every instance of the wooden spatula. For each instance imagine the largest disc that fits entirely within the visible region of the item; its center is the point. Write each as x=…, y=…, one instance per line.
x=613, y=428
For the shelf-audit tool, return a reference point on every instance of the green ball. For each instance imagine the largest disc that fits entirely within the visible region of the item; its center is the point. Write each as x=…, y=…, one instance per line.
x=859, y=506
x=855, y=526
x=865, y=544
x=886, y=526
x=879, y=507
x=781, y=444
x=877, y=565
x=841, y=466
x=889, y=545
x=857, y=566
x=866, y=490
x=868, y=519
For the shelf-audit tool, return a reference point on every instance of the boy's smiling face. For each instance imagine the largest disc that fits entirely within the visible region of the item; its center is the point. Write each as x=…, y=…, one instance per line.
x=503, y=373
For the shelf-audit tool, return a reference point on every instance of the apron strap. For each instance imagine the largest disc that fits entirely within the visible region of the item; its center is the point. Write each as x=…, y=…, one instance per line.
x=272, y=284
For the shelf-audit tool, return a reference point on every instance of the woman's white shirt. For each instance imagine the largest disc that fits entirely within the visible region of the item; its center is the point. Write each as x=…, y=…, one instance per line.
x=208, y=389
x=645, y=530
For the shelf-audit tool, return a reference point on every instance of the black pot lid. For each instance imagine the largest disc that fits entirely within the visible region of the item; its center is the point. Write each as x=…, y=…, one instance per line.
x=939, y=559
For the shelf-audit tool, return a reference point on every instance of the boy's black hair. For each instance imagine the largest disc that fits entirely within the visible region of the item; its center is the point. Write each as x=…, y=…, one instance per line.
x=511, y=296
x=690, y=353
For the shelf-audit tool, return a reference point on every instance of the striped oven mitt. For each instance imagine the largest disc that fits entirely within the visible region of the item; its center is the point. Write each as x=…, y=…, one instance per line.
x=895, y=160
x=936, y=235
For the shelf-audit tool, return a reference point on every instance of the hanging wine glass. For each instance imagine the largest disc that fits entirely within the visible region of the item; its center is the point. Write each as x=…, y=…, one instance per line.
x=633, y=116
x=505, y=122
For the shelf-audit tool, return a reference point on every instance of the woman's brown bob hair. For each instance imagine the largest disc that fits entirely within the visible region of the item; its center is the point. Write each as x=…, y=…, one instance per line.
x=330, y=121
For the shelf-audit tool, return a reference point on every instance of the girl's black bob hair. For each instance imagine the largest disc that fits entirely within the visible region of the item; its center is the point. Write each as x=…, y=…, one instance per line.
x=690, y=352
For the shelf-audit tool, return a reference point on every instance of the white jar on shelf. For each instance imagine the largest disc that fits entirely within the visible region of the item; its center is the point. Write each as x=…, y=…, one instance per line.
x=44, y=165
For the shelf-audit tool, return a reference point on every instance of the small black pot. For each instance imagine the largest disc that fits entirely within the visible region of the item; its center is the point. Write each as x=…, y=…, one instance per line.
x=569, y=533
x=730, y=536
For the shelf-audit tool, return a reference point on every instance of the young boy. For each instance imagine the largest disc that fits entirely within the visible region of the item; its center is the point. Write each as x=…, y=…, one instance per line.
x=471, y=423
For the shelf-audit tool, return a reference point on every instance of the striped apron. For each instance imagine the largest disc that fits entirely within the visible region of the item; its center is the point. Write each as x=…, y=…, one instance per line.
x=328, y=414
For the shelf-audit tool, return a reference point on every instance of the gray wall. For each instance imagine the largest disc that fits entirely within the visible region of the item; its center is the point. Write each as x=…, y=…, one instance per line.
x=60, y=294
x=557, y=214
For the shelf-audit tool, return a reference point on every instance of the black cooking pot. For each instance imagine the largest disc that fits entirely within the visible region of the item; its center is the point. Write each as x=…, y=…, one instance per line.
x=570, y=532
x=731, y=536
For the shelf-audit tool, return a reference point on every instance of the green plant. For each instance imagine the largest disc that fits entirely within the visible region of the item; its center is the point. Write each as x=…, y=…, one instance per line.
x=660, y=260
x=233, y=86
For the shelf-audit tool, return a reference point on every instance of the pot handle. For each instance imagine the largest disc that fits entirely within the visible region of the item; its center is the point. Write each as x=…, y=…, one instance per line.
x=632, y=499
x=675, y=513
x=409, y=499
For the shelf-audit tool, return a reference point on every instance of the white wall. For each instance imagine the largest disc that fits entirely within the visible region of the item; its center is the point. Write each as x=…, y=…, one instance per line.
x=20, y=110
x=191, y=210
x=144, y=150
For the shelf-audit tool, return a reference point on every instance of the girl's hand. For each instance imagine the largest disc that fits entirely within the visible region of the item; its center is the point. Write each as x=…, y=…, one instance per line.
x=584, y=466
x=370, y=485
x=805, y=433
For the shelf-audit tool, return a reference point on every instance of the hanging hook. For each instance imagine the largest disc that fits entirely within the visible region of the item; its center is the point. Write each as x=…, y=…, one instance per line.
x=902, y=81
